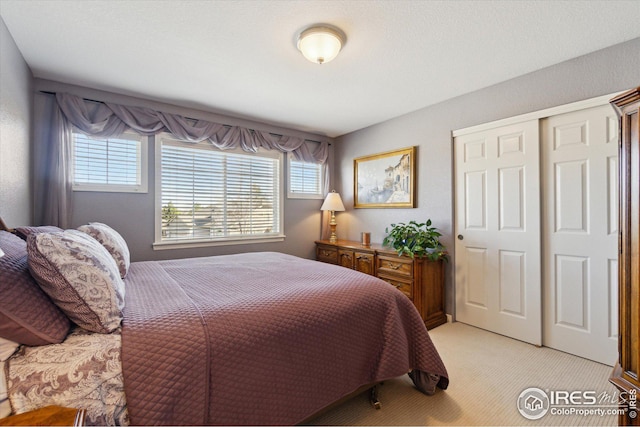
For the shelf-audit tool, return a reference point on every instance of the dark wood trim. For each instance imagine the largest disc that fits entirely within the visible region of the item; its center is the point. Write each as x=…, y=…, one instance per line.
x=3, y=226
x=47, y=416
x=625, y=375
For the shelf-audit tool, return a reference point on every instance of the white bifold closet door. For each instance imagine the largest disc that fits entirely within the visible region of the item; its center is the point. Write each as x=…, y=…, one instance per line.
x=580, y=233
x=497, y=262
x=536, y=221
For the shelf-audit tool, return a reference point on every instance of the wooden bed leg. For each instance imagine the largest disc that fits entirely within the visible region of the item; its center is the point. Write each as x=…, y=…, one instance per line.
x=373, y=397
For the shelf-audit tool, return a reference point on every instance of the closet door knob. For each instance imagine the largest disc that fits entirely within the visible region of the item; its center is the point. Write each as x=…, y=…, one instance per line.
x=460, y=237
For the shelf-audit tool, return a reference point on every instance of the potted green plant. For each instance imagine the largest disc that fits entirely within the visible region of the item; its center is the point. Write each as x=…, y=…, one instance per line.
x=416, y=240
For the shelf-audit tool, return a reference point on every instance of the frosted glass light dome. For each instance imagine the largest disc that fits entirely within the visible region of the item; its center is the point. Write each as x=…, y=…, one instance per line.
x=320, y=44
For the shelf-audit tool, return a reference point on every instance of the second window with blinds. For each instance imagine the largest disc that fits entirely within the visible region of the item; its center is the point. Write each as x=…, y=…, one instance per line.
x=112, y=164
x=305, y=179
x=206, y=196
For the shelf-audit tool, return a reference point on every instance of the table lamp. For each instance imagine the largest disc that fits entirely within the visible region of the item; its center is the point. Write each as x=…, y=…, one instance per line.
x=333, y=203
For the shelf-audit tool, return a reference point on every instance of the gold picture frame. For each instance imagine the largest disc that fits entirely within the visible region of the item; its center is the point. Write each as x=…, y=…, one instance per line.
x=385, y=180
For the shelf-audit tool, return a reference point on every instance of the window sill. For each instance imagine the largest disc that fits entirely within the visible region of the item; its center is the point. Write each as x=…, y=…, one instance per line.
x=141, y=189
x=184, y=244
x=305, y=196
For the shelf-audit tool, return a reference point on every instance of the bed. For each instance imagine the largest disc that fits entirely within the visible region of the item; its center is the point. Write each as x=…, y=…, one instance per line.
x=248, y=339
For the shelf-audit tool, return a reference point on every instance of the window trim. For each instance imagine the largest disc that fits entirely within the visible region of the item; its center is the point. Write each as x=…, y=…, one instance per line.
x=158, y=244
x=292, y=195
x=143, y=165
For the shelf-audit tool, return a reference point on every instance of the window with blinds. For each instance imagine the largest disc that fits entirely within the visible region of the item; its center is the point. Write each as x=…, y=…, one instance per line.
x=305, y=180
x=109, y=164
x=206, y=194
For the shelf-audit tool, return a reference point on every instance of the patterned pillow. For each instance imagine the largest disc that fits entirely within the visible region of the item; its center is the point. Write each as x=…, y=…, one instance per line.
x=27, y=314
x=112, y=241
x=80, y=276
x=25, y=231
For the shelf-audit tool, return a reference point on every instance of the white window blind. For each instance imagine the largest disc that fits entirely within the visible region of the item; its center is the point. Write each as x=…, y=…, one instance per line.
x=109, y=164
x=305, y=180
x=208, y=194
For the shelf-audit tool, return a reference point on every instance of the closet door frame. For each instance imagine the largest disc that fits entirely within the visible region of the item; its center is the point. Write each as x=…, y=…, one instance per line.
x=537, y=115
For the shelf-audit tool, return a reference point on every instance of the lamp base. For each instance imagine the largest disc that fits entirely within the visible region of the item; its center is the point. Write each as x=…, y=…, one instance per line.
x=333, y=224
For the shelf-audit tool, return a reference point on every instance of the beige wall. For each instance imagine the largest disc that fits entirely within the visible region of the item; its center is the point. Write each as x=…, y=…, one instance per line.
x=603, y=72
x=15, y=133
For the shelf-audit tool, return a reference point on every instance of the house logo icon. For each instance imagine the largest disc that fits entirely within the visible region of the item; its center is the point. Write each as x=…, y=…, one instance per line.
x=533, y=403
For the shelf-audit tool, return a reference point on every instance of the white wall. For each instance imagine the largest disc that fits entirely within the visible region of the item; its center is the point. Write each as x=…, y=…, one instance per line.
x=16, y=103
x=603, y=72
x=132, y=214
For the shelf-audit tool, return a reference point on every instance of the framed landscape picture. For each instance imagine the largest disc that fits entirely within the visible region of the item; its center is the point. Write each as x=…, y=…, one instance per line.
x=385, y=180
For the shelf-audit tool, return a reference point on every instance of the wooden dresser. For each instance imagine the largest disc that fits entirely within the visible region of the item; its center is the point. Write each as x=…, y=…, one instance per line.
x=421, y=280
x=626, y=374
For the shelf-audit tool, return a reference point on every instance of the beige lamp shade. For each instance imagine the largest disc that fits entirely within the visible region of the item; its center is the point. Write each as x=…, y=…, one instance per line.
x=333, y=202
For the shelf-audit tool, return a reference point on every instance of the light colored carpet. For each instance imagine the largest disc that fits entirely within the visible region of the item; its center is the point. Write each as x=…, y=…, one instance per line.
x=487, y=374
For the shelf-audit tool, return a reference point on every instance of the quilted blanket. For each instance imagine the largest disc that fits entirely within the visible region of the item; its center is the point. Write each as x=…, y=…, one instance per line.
x=261, y=339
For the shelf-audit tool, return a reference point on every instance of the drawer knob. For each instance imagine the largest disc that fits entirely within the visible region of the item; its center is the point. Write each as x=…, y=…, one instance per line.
x=394, y=266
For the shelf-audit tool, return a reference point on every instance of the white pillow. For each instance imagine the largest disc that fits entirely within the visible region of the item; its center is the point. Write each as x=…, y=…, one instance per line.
x=7, y=348
x=5, y=406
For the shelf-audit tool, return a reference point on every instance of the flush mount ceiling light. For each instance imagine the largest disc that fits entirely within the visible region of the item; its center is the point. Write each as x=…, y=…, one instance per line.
x=321, y=43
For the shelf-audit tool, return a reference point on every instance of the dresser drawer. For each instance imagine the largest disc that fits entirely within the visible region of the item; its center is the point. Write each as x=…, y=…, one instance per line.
x=364, y=262
x=345, y=258
x=405, y=286
x=395, y=265
x=327, y=254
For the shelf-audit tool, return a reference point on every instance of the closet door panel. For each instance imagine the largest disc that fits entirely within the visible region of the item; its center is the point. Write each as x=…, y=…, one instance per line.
x=579, y=237
x=498, y=230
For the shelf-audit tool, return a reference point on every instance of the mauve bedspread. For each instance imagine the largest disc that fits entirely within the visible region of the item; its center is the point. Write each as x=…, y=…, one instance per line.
x=261, y=339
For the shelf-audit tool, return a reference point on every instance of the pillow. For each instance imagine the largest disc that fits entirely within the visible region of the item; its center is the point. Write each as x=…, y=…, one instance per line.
x=112, y=241
x=7, y=348
x=80, y=276
x=24, y=232
x=27, y=314
x=5, y=406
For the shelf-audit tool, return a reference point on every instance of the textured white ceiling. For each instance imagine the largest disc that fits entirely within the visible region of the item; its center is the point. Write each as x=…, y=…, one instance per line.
x=239, y=57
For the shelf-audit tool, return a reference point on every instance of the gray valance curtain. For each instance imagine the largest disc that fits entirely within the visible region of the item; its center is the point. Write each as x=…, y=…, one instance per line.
x=54, y=195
